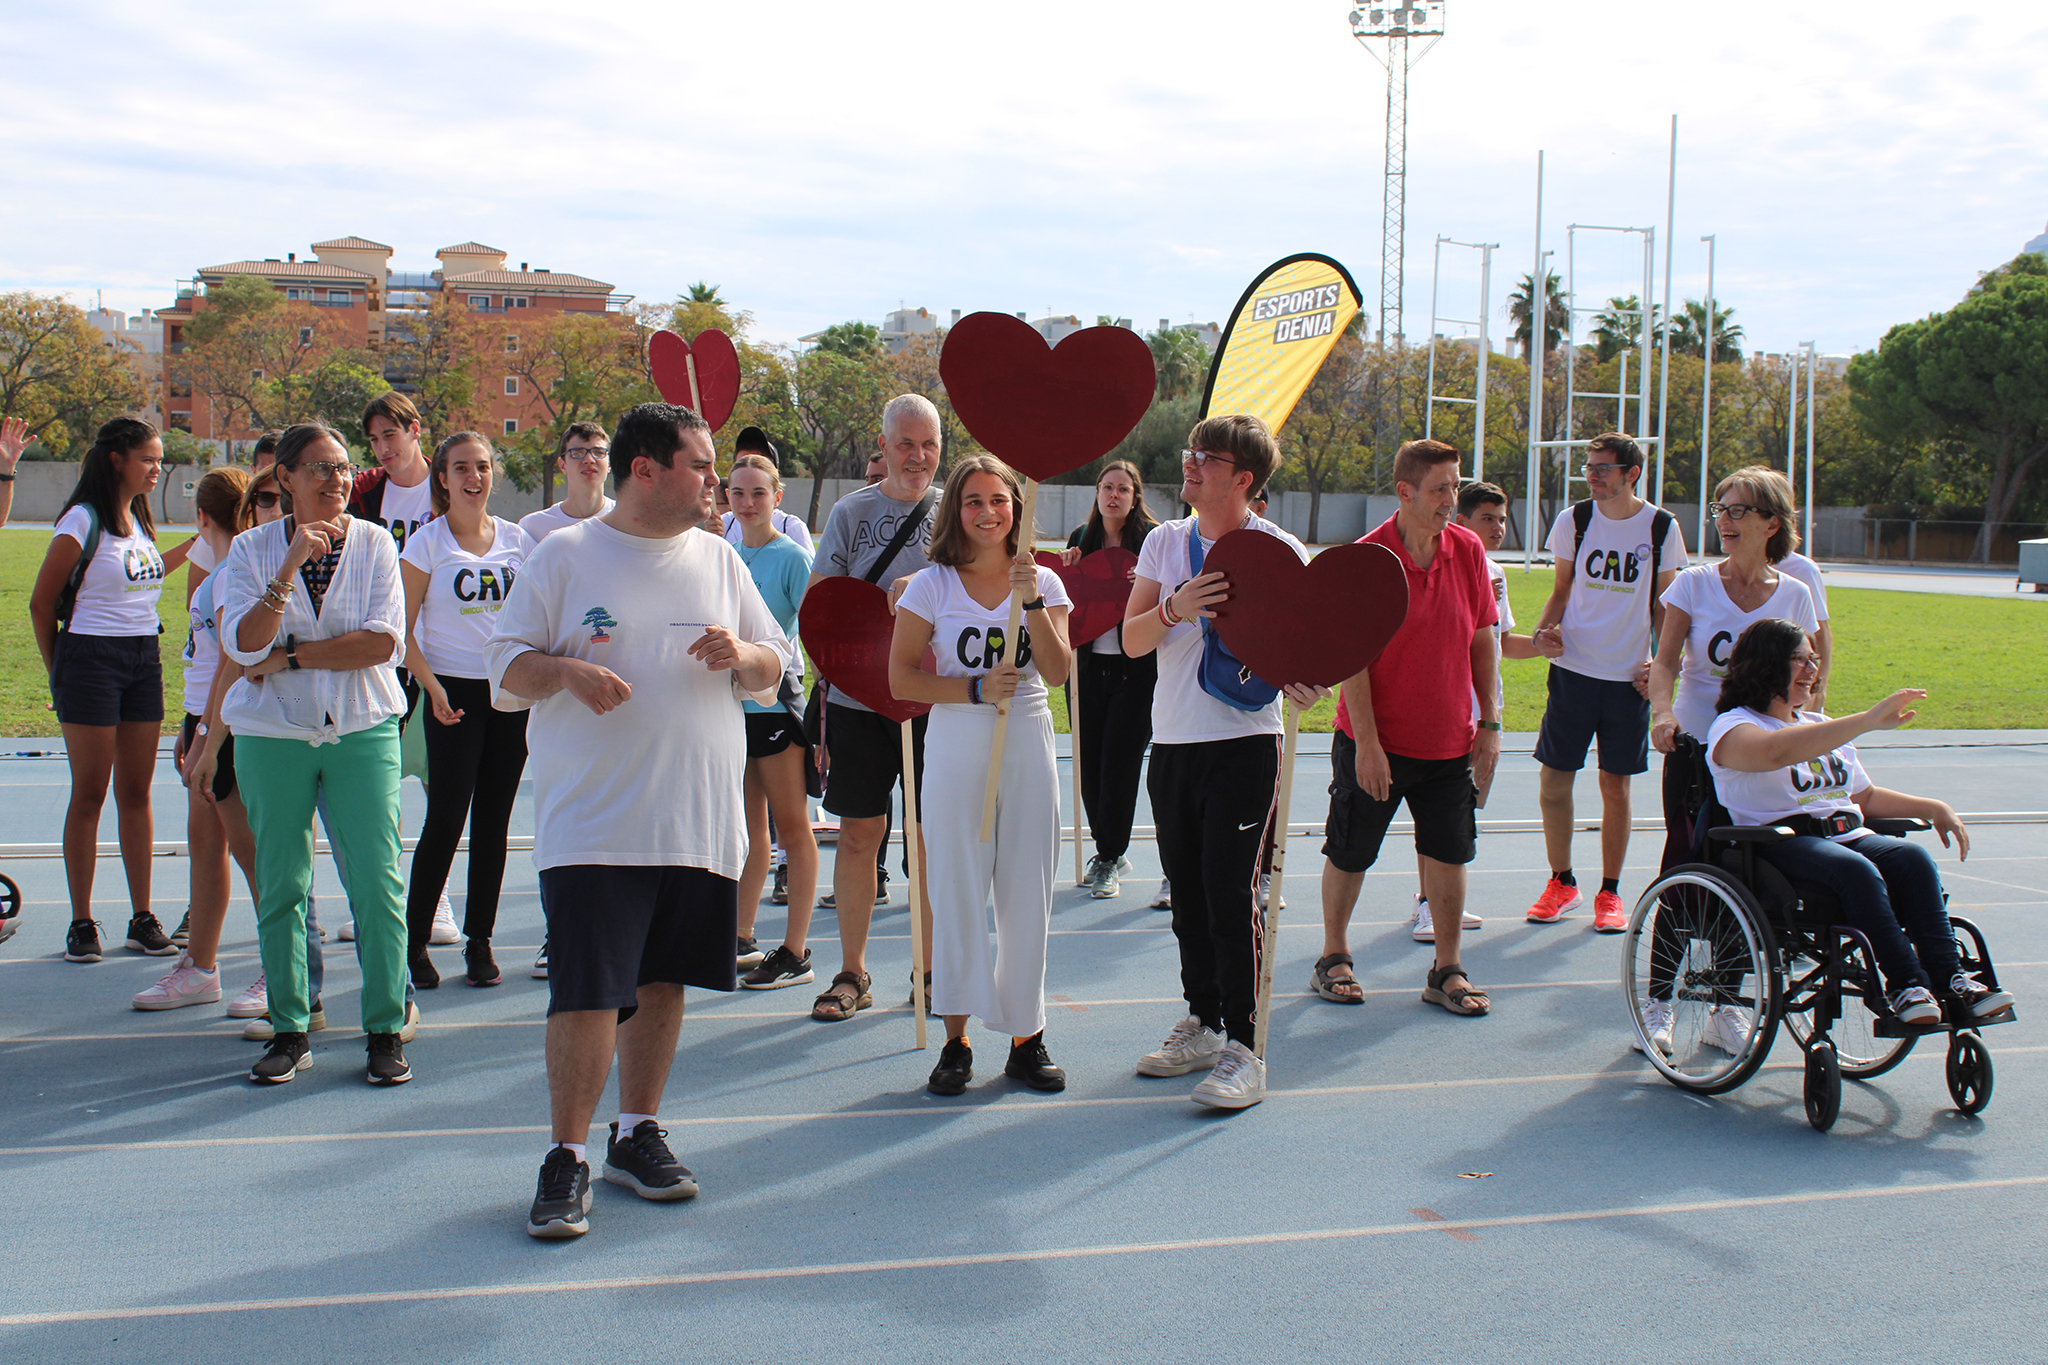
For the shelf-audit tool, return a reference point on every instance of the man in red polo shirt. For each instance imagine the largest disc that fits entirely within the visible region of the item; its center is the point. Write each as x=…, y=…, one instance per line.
x=1405, y=730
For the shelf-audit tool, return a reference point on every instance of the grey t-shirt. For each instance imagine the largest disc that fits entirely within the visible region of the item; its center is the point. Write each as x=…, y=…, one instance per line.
x=859, y=528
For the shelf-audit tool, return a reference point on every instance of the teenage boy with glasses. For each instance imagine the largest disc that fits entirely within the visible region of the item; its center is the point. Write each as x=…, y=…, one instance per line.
x=1615, y=555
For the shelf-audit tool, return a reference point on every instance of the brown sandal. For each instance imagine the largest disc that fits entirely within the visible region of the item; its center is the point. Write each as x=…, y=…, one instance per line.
x=846, y=996
x=1466, y=1001
x=1344, y=990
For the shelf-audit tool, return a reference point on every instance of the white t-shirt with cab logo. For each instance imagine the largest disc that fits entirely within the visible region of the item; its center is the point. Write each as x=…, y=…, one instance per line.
x=1818, y=786
x=465, y=592
x=119, y=592
x=404, y=510
x=1606, y=622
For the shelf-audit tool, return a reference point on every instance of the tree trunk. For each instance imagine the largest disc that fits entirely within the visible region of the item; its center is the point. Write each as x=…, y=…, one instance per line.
x=2007, y=479
x=1315, y=509
x=817, y=487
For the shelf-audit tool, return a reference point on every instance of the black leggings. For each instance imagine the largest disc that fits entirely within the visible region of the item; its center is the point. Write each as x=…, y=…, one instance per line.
x=473, y=769
x=1116, y=725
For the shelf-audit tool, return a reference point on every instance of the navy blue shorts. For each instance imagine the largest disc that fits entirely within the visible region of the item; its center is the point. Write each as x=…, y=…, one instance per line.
x=1582, y=708
x=613, y=929
x=107, y=679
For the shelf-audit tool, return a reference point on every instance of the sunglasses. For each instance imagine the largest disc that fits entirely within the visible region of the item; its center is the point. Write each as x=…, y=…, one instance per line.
x=264, y=500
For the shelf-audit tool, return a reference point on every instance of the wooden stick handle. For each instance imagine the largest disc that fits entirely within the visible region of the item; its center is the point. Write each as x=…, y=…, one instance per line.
x=916, y=863
x=1074, y=748
x=1026, y=529
x=696, y=394
x=1270, y=938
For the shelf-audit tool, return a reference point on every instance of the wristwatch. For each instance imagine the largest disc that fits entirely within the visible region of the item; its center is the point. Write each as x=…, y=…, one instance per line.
x=1493, y=725
x=1035, y=604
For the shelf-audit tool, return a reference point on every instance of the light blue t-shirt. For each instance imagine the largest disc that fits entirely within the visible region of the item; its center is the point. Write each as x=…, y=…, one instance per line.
x=780, y=569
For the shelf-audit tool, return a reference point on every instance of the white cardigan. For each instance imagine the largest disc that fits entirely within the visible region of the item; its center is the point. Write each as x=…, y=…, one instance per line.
x=317, y=705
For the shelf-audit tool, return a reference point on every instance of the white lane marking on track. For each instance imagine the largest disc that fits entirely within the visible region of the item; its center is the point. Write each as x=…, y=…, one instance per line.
x=1643, y=1078
x=1049, y=1254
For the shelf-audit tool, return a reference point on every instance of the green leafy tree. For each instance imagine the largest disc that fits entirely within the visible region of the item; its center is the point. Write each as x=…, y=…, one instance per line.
x=1325, y=440
x=1619, y=327
x=58, y=374
x=851, y=339
x=436, y=356
x=1976, y=375
x=838, y=400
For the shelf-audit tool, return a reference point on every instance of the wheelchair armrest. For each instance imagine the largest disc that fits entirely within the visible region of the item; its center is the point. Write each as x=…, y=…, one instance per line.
x=1897, y=824
x=1750, y=834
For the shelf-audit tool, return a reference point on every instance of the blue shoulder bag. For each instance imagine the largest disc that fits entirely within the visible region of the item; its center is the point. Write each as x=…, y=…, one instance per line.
x=1221, y=674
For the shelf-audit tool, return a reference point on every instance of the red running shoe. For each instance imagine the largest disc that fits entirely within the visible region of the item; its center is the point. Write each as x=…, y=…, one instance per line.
x=1610, y=916
x=1555, y=900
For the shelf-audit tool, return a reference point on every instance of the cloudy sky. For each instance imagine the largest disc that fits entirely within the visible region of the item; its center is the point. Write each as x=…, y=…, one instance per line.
x=1860, y=162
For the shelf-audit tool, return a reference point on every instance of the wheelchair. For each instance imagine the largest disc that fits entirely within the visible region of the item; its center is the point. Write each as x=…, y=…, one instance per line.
x=1729, y=931
x=10, y=907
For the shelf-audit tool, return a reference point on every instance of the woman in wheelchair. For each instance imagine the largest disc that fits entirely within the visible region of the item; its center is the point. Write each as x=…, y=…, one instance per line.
x=1774, y=763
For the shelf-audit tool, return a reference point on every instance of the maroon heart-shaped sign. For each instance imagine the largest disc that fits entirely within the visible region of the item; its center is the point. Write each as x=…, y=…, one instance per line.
x=718, y=373
x=846, y=626
x=1045, y=410
x=1100, y=584
x=1319, y=622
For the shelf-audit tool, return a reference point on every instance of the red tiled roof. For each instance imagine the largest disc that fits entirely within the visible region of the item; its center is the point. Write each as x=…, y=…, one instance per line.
x=532, y=281
x=469, y=249
x=350, y=244
x=280, y=270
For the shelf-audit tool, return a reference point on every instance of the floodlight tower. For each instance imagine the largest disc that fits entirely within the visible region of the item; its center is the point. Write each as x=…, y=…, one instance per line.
x=1396, y=23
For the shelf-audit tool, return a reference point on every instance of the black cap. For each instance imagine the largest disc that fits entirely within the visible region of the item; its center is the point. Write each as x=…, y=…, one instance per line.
x=753, y=438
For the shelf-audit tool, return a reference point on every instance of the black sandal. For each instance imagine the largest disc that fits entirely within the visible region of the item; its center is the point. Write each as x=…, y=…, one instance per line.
x=836, y=1005
x=1333, y=988
x=1466, y=1001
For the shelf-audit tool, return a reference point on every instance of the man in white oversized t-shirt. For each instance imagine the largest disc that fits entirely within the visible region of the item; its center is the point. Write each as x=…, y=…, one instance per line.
x=1603, y=613
x=635, y=639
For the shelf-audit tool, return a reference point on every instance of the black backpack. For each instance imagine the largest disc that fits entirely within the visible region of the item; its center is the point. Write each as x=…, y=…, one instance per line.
x=67, y=596
x=1660, y=526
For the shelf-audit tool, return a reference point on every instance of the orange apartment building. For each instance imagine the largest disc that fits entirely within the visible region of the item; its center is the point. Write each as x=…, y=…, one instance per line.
x=370, y=302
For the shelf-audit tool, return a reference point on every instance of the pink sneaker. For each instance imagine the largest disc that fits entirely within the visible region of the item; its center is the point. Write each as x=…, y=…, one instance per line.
x=1555, y=900
x=1610, y=916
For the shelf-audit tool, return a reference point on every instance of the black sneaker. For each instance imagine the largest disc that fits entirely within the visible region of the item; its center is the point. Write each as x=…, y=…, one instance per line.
x=644, y=1164
x=561, y=1206
x=780, y=894
x=146, y=935
x=425, y=975
x=749, y=953
x=483, y=968
x=387, y=1061
x=955, y=1068
x=780, y=968
x=82, y=941
x=289, y=1054
x=182, y=935
x=1030, y=1063
x=540, y=962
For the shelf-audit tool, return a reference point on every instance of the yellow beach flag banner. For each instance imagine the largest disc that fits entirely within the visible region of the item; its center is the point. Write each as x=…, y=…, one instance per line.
x=1278, y=335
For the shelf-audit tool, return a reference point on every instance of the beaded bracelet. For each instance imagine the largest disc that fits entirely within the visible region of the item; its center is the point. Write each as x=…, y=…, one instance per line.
x=974, y=691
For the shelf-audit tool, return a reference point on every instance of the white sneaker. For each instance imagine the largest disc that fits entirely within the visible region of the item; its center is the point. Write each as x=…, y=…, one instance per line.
x=1424, y=930
x=261, y=1030
x=1190, y=1047
x=1978, y=998
x=1728, y=1028
x=444, y=930
x=252, y=1003
x=186, y=985
x=1656, y=1023
x=1162, y=899
x=1238, y=1082
x=1916, y=1007
x=1265, y=881
x=347, y=932
x=411, y=1027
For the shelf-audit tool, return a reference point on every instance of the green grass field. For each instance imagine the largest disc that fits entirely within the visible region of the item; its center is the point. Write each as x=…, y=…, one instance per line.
x=1980, y=659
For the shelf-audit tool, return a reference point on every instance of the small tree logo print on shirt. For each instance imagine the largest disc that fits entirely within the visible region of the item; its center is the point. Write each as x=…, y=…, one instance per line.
x=599, y=620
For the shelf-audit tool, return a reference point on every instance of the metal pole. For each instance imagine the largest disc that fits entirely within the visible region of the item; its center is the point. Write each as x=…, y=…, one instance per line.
x=1538, y=307
x=1664, y=379
x=1706, y=402
x=1649, y=320
x=1792, y=417
x=1436, y=266
x=1485, y=346
x=1808, y=537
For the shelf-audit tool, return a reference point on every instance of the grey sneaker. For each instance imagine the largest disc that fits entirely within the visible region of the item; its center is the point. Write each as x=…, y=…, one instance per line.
x=1105, y=877
x=1238, y=1082
x=642, y=1162
x=261, y=1030
x=561, y=1205
x=1189, y=1047
x=182, y=935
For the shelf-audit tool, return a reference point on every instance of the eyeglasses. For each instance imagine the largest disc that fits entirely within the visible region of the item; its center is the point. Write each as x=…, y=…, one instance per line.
x=1806, y=663
x=264, y=500
x=1734, y=511
x=588, y=454
x=1602, y=471
x=329, y=469
x=1197, y=458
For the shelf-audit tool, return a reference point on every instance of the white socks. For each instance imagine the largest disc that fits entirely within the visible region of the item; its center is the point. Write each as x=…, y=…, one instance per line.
x=576, y=1148
x=628, y=1122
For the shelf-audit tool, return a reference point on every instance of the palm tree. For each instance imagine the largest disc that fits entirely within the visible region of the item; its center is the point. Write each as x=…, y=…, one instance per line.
x=1556, y=312
x=1689, y=335
x=1179, y=357
x=1618, y=327
x=701, y=292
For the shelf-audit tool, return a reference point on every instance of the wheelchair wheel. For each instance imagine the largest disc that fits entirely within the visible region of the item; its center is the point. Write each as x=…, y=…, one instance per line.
x=10, y=906
x=1858, y=1050
x=1823, y=1087
x=1699, y=968
x=1970, y=1073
